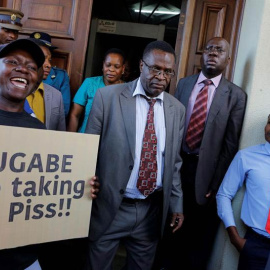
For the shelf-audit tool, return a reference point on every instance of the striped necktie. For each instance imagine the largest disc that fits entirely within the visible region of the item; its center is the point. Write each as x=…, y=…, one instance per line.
x=198, y=117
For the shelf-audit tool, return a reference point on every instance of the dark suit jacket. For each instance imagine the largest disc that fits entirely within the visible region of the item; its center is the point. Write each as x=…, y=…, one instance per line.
x=113, y=116
x=221, y=135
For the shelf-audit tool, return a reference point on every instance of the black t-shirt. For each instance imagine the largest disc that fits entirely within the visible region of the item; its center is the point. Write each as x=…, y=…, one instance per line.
x=20, y=119
x=21, y=257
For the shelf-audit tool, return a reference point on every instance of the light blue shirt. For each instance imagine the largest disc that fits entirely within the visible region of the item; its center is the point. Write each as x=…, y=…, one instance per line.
x=250, y=167
x=142, y=107
x=85, y=96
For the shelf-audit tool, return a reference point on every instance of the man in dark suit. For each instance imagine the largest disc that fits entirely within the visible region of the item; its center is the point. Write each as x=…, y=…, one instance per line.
x=130, y=207
x=210, y=142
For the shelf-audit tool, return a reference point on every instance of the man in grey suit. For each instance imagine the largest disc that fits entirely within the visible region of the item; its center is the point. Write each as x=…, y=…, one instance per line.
x=121, y=115
x=206, y=153
x=53, y=107
x=47, y=102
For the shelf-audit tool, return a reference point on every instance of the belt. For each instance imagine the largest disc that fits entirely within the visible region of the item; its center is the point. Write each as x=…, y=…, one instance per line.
x=256, y=235
x=156, y=194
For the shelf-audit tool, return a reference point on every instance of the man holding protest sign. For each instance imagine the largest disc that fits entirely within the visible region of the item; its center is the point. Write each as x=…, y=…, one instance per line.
x=20, y=72
x=20, y=62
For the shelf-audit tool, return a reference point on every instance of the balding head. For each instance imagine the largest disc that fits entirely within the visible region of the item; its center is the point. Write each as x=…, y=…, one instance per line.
x=216, y=39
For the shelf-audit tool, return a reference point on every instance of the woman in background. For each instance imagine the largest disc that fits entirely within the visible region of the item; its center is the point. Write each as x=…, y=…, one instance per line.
x=113, y=69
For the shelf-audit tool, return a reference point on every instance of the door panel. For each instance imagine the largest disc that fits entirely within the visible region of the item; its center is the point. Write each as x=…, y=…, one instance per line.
x=212, y=23
x=211, y=19
x=68, y=22
x=50, y=17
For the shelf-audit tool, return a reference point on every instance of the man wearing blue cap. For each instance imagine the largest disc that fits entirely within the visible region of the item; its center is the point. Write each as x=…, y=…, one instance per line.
x=20, y=72
x=10, y=25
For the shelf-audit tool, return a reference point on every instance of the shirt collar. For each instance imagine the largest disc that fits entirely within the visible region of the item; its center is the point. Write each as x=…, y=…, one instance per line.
x=41, y=88
x=215, y=80
x=140, y=91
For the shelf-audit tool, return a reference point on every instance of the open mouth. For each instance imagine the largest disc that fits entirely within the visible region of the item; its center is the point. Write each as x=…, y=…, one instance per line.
x=19, y=82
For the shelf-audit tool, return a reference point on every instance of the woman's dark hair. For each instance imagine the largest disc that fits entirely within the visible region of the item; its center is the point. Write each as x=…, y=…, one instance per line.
x=116, y=51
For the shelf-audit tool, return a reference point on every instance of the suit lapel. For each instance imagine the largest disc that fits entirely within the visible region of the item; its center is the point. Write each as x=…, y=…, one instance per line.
x=128, y=107
x=187, y=89
x=218, y=100
x=169, y=123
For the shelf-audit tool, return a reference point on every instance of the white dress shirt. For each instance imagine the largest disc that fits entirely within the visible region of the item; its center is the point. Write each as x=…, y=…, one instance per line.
x=142, y=107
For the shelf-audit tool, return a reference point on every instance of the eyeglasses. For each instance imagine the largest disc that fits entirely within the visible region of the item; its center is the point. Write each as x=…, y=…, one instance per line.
x=214, y=49
x=156, y=72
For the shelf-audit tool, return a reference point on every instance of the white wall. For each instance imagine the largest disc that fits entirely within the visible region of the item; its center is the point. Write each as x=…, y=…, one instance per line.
x=252, y=73
x=252, y=70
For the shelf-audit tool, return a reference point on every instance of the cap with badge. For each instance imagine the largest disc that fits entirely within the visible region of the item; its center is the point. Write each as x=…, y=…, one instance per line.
x=11, y=18
x=26, y=45
x=42, y=39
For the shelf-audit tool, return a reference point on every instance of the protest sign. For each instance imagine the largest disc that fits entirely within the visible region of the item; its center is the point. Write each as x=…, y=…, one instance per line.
x=44, y=185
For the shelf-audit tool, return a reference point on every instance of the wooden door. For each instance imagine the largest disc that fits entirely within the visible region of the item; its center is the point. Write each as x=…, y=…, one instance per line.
x=201, y=20
x=68, y=22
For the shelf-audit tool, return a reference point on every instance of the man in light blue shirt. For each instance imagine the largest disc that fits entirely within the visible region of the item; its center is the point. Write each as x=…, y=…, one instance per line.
x=250, y=167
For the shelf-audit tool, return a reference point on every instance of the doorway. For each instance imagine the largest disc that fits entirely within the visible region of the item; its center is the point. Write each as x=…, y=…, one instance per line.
x=132, y=29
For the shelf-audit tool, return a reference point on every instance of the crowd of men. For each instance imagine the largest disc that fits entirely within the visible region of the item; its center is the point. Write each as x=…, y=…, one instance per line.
x=161, y=158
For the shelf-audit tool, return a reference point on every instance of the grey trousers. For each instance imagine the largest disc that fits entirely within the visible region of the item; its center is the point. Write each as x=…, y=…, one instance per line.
x=137, y=226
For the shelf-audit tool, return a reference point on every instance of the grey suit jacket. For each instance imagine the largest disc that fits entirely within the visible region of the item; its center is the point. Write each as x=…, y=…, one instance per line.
x=54, y=109
x=113, y=116
x=221, y=135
